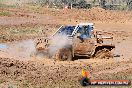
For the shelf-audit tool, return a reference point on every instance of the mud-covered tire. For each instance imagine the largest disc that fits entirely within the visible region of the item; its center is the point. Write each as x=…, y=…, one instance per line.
x=63, y=55
x=103, y=54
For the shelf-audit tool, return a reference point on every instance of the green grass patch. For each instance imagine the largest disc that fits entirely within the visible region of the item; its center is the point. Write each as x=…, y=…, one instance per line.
x=25, y=31
x=26, y=84
x=2, y=81
x=5, y=13
x=7, y=6
x=33, y=7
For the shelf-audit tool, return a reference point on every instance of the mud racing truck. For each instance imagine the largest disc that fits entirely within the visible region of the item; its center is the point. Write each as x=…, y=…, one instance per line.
x=71, y=41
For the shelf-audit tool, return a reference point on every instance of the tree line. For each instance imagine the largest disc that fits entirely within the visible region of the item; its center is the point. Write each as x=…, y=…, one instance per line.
x=106, y=4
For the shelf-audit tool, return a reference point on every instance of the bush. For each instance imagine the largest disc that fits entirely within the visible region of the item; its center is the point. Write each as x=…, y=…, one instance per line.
x=61, y=3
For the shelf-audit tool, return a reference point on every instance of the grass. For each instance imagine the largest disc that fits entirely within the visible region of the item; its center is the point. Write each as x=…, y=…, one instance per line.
x=2, y=81
x=7, y=6
x=2, y=13
x=25, y=31
x=26, y=84
x=32, y=7
x=19, y=33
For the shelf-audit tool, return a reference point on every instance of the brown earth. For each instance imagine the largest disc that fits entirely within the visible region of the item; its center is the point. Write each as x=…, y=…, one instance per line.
x=17, y=31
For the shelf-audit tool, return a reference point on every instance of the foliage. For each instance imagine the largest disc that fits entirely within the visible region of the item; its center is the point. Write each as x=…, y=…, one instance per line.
x=129, y=4
x=102, y=3
x=61, y=3
x=106, y=4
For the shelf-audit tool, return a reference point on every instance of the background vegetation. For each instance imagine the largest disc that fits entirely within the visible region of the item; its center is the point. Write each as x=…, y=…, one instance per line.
x=106, y=4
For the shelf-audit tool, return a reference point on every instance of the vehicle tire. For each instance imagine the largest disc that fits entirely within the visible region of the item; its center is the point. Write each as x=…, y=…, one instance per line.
x=103, y=54
x=63, y=55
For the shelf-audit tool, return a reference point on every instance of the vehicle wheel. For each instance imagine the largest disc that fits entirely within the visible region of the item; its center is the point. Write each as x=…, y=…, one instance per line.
x=63, y=55
x=103, y=54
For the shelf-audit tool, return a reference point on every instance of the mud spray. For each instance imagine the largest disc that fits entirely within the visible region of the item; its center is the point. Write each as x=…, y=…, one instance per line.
x=22, y=50
x=19, y=50
x=58, y=42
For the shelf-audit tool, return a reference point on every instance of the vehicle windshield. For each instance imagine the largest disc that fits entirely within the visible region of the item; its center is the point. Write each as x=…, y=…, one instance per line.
x=65, y=30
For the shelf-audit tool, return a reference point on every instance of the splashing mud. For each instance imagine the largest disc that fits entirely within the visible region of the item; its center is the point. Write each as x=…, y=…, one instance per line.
x=22, y=50
x=58, y=42
x=19, y=49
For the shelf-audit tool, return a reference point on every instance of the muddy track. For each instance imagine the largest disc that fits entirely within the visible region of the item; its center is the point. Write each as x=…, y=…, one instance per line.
x=17, y=66
x=17, y=69
x=60, y=74
x=39, y=73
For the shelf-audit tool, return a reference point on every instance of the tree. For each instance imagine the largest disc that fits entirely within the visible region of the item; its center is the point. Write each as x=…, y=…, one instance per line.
x=102, y=3
x=129, y=4
x=61, y=3
x=42, y=2
x=93, y=2
x=82, y=3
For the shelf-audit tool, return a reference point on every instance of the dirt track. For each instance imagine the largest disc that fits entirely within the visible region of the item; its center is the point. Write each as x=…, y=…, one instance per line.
x=17, y=69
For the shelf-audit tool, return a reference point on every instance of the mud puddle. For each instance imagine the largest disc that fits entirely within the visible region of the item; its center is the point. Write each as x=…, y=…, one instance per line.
x=3, y=46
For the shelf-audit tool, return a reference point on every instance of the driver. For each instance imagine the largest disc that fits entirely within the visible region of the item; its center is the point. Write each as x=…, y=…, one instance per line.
x=82, y=33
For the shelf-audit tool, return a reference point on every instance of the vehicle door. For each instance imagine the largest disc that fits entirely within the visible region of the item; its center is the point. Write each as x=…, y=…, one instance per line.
x=83, y=42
